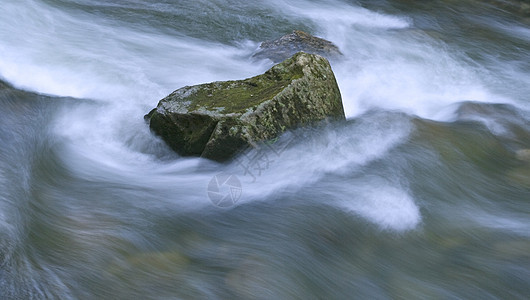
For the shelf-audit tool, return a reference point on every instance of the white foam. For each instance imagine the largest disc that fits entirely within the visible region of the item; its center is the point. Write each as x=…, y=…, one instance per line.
x=330, y=152
x=389, y=207
x=399, y=71
x=82, y=56
x=341, y=14
x=388, y=64
x=513, y=223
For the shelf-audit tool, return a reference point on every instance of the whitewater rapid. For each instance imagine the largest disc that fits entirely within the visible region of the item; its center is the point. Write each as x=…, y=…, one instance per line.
x=123, y=68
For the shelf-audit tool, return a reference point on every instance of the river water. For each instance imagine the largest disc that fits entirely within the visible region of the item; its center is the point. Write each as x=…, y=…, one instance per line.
x=423, y=193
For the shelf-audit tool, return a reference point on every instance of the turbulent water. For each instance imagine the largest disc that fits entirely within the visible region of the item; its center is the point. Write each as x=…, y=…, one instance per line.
x=423, y=193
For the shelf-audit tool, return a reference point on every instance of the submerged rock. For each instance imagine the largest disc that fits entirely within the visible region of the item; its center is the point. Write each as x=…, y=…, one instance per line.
x=284, y=47
x=216, y=120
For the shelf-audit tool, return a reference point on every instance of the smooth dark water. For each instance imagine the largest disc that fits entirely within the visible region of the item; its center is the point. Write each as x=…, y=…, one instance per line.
x=423, y=193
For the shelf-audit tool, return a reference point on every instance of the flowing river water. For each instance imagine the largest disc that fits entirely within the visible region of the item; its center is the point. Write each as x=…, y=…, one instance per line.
x=423, y=193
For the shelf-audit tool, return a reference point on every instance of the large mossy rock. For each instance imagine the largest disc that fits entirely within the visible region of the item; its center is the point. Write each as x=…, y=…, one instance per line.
x=287, y=45
x=216, y=120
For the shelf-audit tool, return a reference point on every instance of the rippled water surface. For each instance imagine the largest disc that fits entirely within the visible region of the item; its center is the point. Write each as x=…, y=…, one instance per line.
x=422, y=193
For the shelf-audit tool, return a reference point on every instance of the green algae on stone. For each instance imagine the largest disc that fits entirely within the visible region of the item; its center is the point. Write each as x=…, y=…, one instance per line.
x=216, y=120
x=236, y=96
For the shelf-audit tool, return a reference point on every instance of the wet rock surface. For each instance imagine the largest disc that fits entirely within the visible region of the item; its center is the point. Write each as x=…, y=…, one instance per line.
x=287, y=45
x=218, y=119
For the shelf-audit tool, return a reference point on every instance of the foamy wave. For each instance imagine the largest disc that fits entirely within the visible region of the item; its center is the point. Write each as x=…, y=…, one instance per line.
x=341, y=14
x=76, y=54
x=388, y=207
